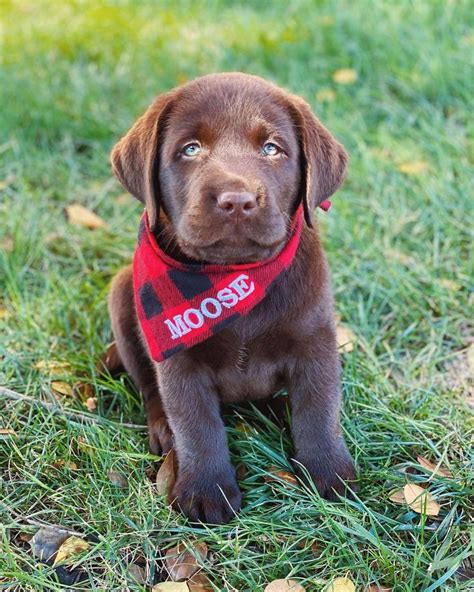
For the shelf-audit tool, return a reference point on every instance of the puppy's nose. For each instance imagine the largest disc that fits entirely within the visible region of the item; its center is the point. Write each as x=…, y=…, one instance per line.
x=237, y=203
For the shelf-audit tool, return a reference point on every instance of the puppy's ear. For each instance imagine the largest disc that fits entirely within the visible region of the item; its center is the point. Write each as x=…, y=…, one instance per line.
x=324, y=160
x=135, y=158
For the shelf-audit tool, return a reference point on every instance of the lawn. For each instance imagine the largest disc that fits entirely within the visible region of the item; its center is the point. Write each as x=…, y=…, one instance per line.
x=74, y=75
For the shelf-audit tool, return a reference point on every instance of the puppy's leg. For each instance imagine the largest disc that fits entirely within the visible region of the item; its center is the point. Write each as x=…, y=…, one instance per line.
x=206, y=488
x=315, y=400
x=135, y=358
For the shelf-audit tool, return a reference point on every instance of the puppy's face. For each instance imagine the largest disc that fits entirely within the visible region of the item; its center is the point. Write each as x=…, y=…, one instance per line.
x=228, y=157
x=229, y=171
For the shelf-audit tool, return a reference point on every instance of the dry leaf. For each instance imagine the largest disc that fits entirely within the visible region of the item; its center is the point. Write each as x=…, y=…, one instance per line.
x=449, y=284
x=182, y=563
x=416, y=167
x=397, y=496
x=420, y=500
x=341, y=585
x=47, y=541
x=433, y=468
x=117, y=479
x=345, y=338
x=326, y=95
x=73, y=545
x=91, y=403
x=52, y=366
x=60, y=463
x=84, y=391
x=81, y=216
x=62, y=388
x=200, y=583
x=276, y=474
x=241, y=472
x=137, y=572
x=170, y=587
x=376, y=588
x=8, y=244
x=7, y=432
x=3, y=312
x=284, y=585
x=166, y=476
x=345, y=76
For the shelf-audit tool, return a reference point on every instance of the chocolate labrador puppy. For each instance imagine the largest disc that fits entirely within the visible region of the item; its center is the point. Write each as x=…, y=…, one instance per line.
x=230, y=169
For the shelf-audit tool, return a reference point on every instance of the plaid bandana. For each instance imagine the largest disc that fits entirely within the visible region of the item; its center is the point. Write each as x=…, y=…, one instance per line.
x=180, y=305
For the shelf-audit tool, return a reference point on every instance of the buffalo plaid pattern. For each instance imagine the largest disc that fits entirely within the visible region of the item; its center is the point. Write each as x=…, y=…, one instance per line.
x=180, y=305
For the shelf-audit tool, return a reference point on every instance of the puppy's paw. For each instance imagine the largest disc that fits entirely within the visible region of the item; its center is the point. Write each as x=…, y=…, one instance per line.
x=333, y=475
x=160, y=436
x=210, y=498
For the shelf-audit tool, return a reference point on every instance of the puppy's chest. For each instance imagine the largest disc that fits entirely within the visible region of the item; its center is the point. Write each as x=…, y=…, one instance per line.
x=247, y=374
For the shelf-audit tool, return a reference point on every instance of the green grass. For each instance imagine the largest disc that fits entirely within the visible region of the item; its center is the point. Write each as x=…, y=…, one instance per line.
x=73, y=77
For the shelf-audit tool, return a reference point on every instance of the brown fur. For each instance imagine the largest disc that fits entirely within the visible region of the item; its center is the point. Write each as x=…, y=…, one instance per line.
x=288, y=340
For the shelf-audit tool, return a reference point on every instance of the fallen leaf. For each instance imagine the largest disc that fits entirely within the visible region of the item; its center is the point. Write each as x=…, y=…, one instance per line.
x=398, y=256
x=345, y=338
x=52, y=366
x=420, y=500
x=84, y=391
x=4, y=312
x=73, y=545
x=81, y=216
x=137, y=572
x=62, y=388
x=182, y=563
x=397, y=496
x=326, y=95
x=433, y=468
x=416, y=167
x=61, y=463
x=241, y=471
x=200, y=583
x=8, y=244
x=170, y=587
x=47, y=541
x=376, y=588
x=4, y=183
x=7, y=432
x=345, y=76
x=341, y=585
x=117, y=479
x=284, y=585
x=449, y=284
x=166, y=477
x=275, y=474
x=91, y=403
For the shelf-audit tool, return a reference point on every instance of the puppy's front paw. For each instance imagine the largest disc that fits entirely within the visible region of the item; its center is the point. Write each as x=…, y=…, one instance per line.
x=332, y=474
x=159, y=436
x=210, y=498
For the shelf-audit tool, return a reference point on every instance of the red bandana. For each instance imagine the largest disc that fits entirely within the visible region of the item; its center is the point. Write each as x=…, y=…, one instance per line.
x=180, y=305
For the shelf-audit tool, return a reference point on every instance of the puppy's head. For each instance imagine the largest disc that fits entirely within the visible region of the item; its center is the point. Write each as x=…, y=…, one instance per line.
x=229, y=157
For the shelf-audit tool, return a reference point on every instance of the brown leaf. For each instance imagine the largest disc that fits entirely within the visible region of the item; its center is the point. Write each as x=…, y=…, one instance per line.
x=60, y=463
x=284, y=585
x=241, y=471
x=200, y=583
x=72, y=546
x=416, y=167
x=8, y=244
x=91, y=404
x=433, y=468
x=397, y=496
x=377, y=588
x=345, y=76
x=62, y=388
x=166, y=476
x=276, y=474
x=182, y=563
x=326, y=95
x=81, y=216
x=341, y=585
x=4, y=314
x=7, y=432
x=47, y=541
x=420, y=500
x=170, y=587
x=52, y=366
x=117, y=479
x=345, y=337
x=137, y=572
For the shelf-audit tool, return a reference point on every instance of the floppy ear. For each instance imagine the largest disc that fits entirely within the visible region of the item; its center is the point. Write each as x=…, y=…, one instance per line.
x=135, y=158
x=324, y=160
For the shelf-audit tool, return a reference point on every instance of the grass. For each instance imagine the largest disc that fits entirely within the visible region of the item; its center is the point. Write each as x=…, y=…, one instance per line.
x=73, y=77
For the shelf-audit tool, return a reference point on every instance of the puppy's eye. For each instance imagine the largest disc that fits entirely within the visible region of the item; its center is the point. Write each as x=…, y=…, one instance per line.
x=270, y=149
x=191, y=149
